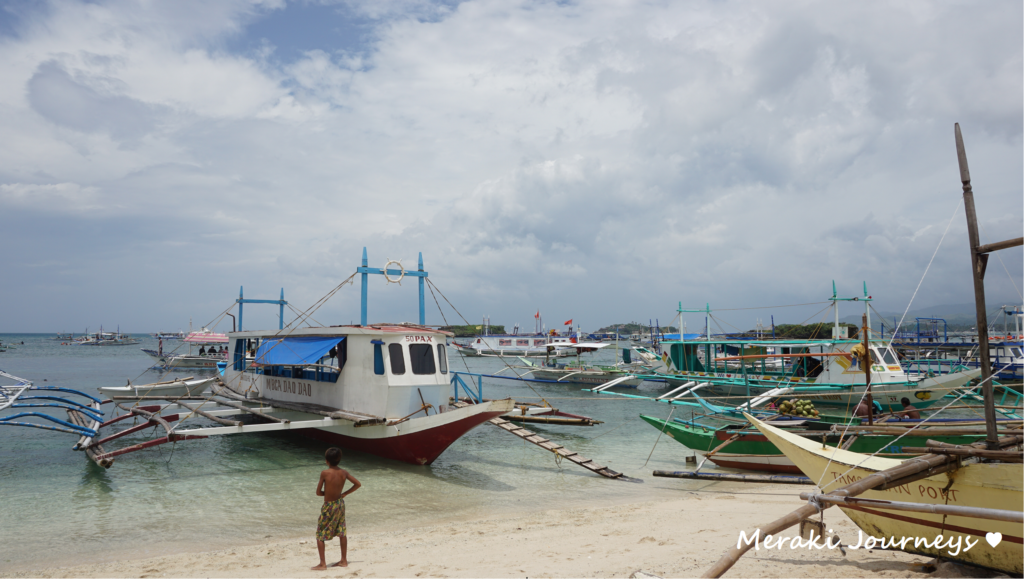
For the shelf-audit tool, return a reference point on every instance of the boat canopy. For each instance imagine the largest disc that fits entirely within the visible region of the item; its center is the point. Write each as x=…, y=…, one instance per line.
x=206, y=338
x=295, y=351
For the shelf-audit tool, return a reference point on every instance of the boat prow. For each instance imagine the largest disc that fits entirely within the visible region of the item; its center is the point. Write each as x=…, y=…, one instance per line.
x=981, y=485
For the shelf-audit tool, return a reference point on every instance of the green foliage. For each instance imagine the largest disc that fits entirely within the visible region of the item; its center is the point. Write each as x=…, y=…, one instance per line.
x=810, y=331
x=470, y=331
x=633, y=328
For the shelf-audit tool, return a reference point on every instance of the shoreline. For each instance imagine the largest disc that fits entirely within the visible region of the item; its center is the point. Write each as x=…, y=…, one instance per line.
x=669, y=538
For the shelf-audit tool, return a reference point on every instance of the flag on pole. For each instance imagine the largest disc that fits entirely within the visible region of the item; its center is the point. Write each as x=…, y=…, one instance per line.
x=537, y=315
x=569, y=323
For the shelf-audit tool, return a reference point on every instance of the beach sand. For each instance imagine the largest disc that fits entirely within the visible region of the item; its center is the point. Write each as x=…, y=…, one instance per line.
x=679, y=537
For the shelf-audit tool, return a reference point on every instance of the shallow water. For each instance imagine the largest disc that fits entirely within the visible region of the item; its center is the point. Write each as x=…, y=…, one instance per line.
x=59, y=508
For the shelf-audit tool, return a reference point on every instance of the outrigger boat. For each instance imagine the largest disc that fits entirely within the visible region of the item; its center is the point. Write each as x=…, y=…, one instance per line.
x=171, y=388
x=192, y=360
x=827, y=372
x=580, y=372
x=381, y=389
x=975, y=485
x=740, y=446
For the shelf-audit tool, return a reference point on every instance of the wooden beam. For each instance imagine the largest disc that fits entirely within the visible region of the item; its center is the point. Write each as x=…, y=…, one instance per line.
x=973, y=512
x=978, y=263
x=1004, y=455
x=990, y=247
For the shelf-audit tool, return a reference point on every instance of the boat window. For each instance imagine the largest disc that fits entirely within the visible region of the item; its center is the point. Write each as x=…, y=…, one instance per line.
x=442, y=358
x=1016, y=352
x=397, y=359
x=378, y=358
x=239, y=355
x=421, y=358
x=889, y=358
x=342, y=353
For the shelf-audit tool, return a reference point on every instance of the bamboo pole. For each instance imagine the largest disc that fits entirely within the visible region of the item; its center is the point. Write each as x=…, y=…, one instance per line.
x=973, y=512
x=244, y=408
x=979, y=261
x=735, y=477
x=1004, y=455
x=933, y=430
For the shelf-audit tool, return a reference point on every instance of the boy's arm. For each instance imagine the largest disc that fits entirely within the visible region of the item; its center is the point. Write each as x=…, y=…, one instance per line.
x=355, y=484
x=320, y=486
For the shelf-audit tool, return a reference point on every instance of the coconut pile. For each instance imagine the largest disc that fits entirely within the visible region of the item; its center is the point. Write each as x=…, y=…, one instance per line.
x=795, y=407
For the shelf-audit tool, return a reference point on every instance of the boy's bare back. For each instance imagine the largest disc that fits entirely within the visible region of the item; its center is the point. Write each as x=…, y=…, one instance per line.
x=332, y=483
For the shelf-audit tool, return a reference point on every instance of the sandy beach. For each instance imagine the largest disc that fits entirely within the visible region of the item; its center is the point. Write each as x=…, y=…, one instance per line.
x=670, y=538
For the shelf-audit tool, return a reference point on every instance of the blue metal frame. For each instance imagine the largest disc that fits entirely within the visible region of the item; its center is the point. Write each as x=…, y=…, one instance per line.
x=240, y=301
x=457, y=382
x=365, y=270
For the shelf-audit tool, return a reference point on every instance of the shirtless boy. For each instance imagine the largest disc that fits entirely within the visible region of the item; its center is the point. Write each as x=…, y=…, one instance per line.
x=332, y=514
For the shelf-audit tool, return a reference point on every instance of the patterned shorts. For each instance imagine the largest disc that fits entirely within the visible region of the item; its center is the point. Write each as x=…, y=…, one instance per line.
x=332, y=521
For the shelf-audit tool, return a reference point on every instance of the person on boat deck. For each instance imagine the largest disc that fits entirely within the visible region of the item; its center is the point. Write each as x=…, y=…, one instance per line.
x=908, y=410
x=862, y=408
x=202, y=350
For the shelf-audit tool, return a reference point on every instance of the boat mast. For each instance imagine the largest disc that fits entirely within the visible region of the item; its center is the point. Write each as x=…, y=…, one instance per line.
x=979, y=261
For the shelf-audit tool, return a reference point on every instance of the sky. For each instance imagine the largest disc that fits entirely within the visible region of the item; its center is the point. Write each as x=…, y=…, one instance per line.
x=601, y=161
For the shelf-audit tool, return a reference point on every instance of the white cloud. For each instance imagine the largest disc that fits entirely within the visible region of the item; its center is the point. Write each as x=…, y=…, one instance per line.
x=633, y=153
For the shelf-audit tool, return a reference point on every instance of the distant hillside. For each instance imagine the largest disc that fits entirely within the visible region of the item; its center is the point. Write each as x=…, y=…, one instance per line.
x=633, y=328
x=957, y=316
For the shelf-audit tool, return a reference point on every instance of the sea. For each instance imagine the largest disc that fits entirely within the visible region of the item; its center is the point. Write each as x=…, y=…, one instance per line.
x=58, y=508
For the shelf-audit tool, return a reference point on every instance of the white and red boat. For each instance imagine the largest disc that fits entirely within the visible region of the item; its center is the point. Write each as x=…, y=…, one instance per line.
x=390, y=382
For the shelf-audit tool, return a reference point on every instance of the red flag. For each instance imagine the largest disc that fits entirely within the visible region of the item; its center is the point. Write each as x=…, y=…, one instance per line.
x=537, y=315
x=569, y=323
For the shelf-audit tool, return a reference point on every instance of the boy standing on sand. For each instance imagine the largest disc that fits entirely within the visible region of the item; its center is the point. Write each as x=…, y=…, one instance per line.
x=332, y=514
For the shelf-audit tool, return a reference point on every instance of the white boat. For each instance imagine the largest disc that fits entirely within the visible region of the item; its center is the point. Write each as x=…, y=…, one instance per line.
x=394, y=377
x=170, y=389
x=534, y=346
x=199, y=359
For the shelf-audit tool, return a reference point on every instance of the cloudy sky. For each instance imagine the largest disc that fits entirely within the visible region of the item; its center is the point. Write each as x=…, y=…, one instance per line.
x=600, y=161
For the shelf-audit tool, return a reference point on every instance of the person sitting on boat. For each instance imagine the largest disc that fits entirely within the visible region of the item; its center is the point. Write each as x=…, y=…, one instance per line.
x=202, y=350
x=862, y=408
x=908, y=410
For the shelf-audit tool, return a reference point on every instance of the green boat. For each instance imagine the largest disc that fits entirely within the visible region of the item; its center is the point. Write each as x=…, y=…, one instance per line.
x=751, y=450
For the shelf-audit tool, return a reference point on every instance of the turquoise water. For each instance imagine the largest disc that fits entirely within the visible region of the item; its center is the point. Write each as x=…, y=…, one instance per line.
x=59, y=508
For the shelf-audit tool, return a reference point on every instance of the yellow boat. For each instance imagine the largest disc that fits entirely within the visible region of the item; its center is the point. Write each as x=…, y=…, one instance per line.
x=983, y=485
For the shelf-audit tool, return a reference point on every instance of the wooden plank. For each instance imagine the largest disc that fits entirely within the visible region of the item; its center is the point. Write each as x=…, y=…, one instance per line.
x=546, y=444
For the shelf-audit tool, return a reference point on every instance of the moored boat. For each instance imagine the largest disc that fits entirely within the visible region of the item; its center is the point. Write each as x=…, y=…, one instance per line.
x=169, y=389
x=395, y=376
x=742, y=447
x=979, y=485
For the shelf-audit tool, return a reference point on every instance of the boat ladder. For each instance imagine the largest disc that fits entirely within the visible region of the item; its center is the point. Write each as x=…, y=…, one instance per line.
x=557, y=449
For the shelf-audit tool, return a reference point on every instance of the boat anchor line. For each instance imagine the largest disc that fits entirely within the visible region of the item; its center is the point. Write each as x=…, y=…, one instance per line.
x=557, y=449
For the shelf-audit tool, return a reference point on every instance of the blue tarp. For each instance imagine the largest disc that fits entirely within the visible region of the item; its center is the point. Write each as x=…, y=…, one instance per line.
x=294, y=351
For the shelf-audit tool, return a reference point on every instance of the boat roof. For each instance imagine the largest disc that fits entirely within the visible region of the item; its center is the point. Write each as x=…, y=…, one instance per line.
x=370, y=330
x=771, y=343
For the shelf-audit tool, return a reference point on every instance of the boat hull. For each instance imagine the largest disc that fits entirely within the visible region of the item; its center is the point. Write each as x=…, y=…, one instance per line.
x=416, y=441
x=982, y=485
x=754, y=451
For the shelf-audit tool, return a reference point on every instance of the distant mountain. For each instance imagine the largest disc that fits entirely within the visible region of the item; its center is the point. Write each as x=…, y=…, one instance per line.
x=960, y=315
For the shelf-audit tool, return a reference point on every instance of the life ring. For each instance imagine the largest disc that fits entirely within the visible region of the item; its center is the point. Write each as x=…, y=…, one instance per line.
x=400, y=277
